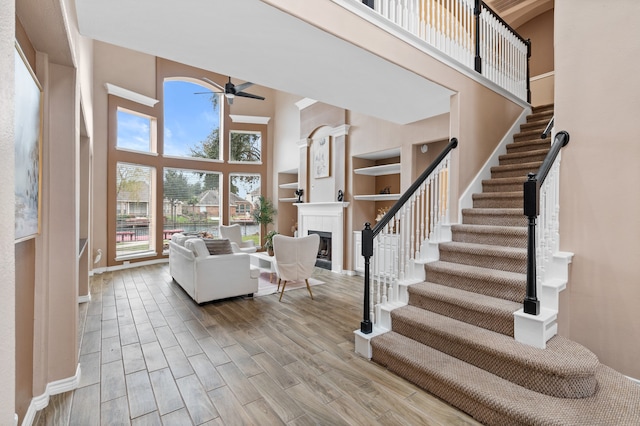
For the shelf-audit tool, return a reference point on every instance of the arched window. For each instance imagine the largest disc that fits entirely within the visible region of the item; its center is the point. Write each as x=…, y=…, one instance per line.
x=192, y=120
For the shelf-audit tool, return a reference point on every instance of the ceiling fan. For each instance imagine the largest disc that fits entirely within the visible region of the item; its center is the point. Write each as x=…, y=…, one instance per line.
x=230, y=90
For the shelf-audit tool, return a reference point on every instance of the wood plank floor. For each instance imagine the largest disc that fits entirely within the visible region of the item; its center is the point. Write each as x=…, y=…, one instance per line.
x=150, y=356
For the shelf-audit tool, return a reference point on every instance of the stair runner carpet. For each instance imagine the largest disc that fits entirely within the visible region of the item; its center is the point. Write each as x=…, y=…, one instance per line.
x=455, y=336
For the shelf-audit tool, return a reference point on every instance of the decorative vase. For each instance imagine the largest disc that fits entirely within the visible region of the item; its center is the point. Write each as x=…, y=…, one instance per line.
x=270, y=251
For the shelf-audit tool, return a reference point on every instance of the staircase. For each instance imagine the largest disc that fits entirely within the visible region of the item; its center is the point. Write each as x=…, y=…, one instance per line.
x=455, y=336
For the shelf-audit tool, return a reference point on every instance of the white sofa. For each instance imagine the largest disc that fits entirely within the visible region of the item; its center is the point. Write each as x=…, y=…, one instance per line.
x=208, y=277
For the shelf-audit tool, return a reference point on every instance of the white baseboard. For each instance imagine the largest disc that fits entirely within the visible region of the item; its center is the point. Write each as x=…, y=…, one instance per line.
x=84, y=299
x=97, y=271
x=53, y=388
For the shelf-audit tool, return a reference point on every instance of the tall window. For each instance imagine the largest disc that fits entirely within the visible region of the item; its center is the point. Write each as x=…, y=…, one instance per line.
x=191, y=121
x=172, y=181
x=191, y=202
x=134, y=210
x=244, y=190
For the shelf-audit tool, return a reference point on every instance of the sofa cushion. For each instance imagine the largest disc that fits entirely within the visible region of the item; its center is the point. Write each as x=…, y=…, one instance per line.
x=180, y=238
x=220, y=246
x=197, y=246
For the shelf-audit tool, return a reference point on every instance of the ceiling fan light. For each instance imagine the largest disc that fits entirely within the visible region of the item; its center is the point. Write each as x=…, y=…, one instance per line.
x=229, y=95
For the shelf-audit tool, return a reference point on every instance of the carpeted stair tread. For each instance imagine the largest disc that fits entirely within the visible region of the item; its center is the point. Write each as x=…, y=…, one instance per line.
x=473, y=308
x=515, y=170
x=511, y=236
x=501, y=217
x=526, y=135
x=564, y=369
x=532, y=145
x=540, y=116
x=543, y=108
x=510, y=199
x=495, y=401
x=510, y=259
x=535, y=124
x=491, y=282
x=508, y=184
x=525, y=156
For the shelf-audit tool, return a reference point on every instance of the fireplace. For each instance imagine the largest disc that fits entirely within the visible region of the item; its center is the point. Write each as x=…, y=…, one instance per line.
x=323, y=258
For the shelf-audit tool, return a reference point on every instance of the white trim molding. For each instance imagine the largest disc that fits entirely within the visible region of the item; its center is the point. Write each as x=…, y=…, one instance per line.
x=541, y=76
x=121, y=92
x=53, y=388
x=84, y=299
x=305, y=102
x=249, y=119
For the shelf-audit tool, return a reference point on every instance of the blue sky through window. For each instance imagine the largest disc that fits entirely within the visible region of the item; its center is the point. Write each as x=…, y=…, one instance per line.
x=188, y=118
x=133, y=131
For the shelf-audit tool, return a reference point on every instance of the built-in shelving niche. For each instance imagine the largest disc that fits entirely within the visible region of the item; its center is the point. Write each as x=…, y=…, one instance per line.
x=287, y=216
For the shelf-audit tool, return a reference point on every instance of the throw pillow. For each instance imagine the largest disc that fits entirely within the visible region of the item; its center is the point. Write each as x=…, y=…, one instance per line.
x=218, y=246
x=197, y=247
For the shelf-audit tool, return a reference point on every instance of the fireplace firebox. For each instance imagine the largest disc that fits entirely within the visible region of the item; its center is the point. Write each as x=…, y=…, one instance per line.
x=323, y=258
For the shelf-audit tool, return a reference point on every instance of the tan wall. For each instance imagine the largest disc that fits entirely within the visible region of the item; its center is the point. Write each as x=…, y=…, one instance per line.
x=7, y=211
x=596, y=99
x=25, y=276
x=540, y=31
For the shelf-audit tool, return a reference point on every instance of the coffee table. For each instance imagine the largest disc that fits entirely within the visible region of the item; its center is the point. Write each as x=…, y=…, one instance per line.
x=265, y=263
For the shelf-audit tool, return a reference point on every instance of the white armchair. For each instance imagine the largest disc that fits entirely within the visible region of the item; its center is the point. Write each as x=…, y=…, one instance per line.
x=233, y=233
x=295, y=258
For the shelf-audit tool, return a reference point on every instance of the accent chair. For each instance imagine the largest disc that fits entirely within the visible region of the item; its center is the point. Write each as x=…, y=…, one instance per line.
x=233, y=233
x=295, y=258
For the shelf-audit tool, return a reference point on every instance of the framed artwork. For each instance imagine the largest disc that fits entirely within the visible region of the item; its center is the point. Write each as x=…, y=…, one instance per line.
x=321, y=157
x=28, y=136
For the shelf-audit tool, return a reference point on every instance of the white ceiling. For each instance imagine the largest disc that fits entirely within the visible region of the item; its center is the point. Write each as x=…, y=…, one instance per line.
x=252, y=41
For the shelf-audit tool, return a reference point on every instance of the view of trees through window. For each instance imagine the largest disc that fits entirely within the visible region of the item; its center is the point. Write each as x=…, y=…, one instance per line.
x=192, y=199
x=134, y=209
x=245, y=146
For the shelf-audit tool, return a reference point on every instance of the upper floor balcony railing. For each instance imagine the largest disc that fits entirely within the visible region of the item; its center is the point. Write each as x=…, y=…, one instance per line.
x=469, y=32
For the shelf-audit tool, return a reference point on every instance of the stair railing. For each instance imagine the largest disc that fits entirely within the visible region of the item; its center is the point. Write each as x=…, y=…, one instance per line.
x=541, y=198
x=547, y=130
x=469, y=32
x=398, y=239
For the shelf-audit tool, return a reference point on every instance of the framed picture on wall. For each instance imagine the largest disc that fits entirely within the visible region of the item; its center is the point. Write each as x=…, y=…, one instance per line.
x=27, y=140
x=321, y=157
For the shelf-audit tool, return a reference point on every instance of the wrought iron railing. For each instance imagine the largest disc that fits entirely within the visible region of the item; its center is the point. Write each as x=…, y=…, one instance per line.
x=398, y=240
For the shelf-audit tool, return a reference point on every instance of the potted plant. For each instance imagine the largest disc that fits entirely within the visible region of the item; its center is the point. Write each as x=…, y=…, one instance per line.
x=264, y=213
x=268, y=242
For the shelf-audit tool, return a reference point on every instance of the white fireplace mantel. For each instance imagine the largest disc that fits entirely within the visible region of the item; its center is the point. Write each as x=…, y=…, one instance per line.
x=327, y=217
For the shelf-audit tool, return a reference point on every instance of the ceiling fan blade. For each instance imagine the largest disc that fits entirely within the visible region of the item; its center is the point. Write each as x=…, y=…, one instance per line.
x=214, y=83
x=249, y=95
x=206, y=93
x=241, y=87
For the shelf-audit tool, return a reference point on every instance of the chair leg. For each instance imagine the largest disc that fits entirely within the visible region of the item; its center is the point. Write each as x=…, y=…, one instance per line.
x=309, y=288
x=278, y=289
x=284, y=284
